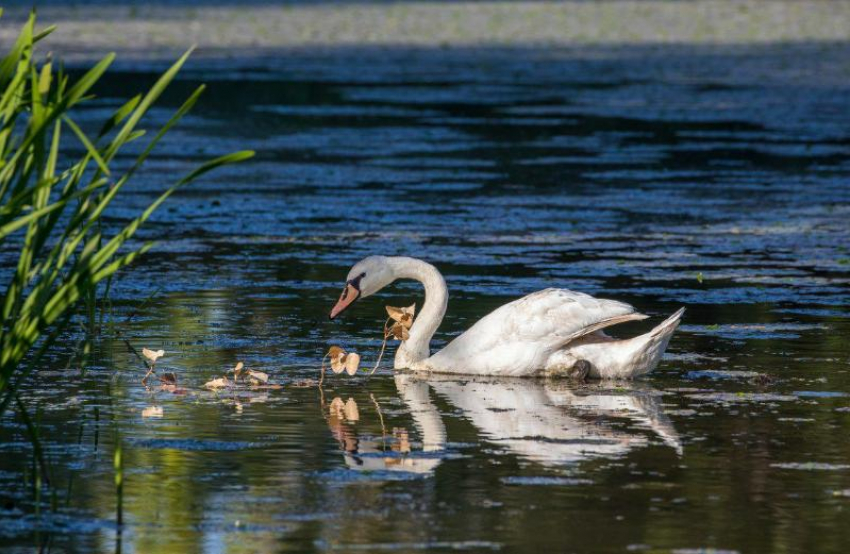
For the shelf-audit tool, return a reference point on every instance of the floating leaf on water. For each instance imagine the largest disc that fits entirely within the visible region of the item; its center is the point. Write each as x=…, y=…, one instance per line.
x=152, y=411
x=335, y=353
x=258, y=377
x=168, y=378
x=153, y=355
x=217, y=383
x=352, y=363
x=699, y=277
x=342, y=361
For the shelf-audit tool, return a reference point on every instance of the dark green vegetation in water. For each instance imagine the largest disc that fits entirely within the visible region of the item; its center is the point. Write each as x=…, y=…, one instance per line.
x=714, y=178
x=51, y=210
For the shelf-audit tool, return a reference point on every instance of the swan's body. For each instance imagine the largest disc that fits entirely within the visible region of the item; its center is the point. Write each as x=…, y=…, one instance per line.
x=551, y=332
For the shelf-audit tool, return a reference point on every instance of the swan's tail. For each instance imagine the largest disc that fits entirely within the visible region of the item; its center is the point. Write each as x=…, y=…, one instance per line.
x=650, y=347
x=611, y=358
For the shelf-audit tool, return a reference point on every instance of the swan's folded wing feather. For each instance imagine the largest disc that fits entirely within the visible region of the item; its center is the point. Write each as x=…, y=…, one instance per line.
x=554, y=316
x=532, y=327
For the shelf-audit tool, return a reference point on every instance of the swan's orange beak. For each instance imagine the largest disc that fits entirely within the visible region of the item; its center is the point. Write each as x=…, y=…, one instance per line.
x=349, y=294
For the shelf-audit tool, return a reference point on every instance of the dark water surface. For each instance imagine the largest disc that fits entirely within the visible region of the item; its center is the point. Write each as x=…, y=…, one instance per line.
x=715, y=179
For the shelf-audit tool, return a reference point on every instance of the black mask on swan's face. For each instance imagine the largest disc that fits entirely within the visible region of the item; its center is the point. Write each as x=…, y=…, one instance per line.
x=367, y=277
x=349, y=295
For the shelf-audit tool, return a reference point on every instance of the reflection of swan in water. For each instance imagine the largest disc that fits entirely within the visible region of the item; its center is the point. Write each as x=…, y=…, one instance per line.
x=547, y=422
x=550, y=422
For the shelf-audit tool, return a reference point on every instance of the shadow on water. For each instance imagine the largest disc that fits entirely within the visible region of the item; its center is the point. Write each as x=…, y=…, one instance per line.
x=714, y=178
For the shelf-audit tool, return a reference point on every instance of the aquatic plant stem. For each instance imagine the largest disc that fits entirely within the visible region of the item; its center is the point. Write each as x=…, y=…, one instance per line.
x=32, y=431
x=383, y=346
x=381, y=418
x=322, y=372
x=118, y=465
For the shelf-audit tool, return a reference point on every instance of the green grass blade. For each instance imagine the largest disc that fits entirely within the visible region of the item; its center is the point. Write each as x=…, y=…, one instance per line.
x=119, y=115
x=87, y=143
x=81, y=87
x=147, y=101
x=41, y=35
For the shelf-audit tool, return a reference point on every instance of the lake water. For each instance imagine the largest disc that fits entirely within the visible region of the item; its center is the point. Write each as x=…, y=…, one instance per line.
x=713, y=178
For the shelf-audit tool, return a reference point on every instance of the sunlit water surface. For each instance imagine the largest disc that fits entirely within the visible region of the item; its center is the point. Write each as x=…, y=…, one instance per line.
x=711, y=179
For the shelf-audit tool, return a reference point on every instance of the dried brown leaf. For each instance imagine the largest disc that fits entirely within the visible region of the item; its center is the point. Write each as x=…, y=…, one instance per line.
x=217, y=383
x=338, y=363
x=152, y=355
x=152, y=411
x=352, y=363
x=258, y=376
x=237, y=371
x=168, y=378
x=404, y=316
x=342, y=361
x=398, y=331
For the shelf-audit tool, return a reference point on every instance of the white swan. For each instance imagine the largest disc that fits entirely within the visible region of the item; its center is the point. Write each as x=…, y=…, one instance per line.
x=551, y=332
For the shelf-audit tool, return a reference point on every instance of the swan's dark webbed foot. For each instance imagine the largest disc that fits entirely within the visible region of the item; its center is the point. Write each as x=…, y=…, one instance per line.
x=578, y=371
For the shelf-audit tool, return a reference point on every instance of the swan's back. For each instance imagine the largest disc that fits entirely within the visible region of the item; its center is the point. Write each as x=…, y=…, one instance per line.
x=517, y=338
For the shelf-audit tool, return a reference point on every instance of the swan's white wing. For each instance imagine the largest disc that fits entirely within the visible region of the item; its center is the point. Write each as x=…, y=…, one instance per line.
x=518, y=337
x=554, y=316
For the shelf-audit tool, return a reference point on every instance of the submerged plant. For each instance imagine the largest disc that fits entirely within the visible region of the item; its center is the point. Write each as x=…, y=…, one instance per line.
x=151, y=356
x=51, y=204
x=403, y=318
x=256, y=379
x=400, y=330
x=341, y=360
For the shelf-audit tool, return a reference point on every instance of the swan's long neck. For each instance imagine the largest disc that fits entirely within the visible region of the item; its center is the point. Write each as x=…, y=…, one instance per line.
x=428, y=319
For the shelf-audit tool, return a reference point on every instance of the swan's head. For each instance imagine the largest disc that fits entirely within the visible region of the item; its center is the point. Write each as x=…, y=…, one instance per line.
x=367, y=277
